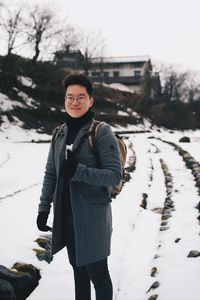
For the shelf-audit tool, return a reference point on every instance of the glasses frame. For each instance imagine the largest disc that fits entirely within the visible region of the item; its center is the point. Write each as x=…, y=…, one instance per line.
x=81, y=99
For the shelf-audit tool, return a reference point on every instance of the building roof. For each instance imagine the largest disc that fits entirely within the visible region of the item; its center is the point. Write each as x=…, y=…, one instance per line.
x=121, y=59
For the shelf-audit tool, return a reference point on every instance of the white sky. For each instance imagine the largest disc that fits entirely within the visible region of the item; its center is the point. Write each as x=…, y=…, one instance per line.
x=167, y=30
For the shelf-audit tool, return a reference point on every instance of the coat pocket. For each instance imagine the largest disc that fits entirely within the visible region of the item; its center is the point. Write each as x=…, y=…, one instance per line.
x=94, y=194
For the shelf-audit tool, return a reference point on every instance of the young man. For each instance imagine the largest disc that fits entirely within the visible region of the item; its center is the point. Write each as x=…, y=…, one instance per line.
x=79, y=190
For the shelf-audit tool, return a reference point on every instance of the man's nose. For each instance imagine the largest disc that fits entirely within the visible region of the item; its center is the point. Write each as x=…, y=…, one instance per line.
x=75, y=101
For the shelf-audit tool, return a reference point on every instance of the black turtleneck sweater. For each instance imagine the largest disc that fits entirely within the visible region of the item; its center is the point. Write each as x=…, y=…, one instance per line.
x=75, y=124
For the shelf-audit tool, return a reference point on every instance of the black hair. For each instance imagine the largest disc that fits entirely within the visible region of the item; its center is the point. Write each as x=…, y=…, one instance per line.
x=80, y=79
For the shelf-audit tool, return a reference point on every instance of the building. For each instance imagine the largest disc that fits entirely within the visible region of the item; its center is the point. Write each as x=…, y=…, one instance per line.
x=127, y=70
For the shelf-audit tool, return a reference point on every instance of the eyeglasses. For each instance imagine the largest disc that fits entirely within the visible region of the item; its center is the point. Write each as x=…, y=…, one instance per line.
x=80, y=98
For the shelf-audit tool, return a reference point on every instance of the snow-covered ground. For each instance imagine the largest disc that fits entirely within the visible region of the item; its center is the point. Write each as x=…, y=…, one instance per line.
x=138, y=245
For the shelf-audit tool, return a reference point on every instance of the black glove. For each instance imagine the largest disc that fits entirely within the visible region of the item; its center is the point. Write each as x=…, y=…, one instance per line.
x=42, y=221
x=69, y=165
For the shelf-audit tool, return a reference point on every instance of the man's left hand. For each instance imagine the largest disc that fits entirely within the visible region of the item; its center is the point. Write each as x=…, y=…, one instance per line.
x=69, y=165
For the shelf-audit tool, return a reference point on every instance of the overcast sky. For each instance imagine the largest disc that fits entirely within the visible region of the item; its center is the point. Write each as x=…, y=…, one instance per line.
x=167, y=30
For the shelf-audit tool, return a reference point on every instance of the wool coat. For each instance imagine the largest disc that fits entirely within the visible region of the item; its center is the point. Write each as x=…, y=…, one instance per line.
x=90, y=200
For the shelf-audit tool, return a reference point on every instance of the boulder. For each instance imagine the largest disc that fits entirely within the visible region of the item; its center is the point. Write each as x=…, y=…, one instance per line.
x=194, y=253
x=184, y=139
x=23, y=282
x=7, y=291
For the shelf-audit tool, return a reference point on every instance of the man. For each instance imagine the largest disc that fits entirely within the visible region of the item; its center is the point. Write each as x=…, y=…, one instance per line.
x=79, y=190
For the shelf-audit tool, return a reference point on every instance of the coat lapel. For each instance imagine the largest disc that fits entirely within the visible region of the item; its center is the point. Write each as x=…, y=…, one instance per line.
x=81, y=135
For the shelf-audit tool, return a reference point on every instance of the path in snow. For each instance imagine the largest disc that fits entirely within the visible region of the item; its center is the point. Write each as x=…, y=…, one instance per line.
x=137, y=238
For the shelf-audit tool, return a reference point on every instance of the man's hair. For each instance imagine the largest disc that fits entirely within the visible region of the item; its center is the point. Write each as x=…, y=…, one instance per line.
x=80, y=79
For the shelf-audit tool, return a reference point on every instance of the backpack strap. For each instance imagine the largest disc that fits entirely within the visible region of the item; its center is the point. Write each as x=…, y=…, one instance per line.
x=93, y=140
x=56, y=133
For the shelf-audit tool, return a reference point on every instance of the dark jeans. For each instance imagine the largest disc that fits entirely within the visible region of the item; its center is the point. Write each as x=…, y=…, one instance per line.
x=96, y=272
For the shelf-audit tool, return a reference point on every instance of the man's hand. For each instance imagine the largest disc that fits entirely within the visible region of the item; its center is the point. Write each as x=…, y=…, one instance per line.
x=69, y=165
x=42, y=221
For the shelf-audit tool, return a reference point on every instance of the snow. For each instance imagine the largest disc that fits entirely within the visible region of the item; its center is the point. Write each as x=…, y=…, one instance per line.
x=136, y=239
x=26, y=81
x=15, y=133
x=7, y=104
x=27, y=99
x=120, y=87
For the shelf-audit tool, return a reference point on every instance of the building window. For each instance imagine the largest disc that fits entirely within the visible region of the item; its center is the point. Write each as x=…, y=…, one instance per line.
x=95, y=74
x=116, y=73
x=106, y=74
x=137, y=73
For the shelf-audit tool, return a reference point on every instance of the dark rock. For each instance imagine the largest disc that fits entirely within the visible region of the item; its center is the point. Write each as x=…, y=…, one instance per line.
x=198, y=206
x=165, y=217
x=44, y=255
x=35, y=273
x=7, y=291
x=154, y=270
x=153, y=297
x=164, y=228
x=155, y=285
x=144, y=201
x=177, y=240
x=44, y=243
x=158, y=210
x=184, y=139
x=22, y=282
x=194, y=253
x=164, y=223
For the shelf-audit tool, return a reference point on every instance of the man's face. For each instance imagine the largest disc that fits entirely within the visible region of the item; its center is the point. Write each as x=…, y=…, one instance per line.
x=77, y=100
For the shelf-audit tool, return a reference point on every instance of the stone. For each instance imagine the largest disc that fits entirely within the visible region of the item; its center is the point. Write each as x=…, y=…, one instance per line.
x=44, y=243
x=22, y=282
x=153, y=297
x=184, y=139
x=164, y=228
x=177, y=240
x=7, y=291
x=194, y=253
x=35, y=273
x=154, y=270
x=155, y=285
x=43, y=255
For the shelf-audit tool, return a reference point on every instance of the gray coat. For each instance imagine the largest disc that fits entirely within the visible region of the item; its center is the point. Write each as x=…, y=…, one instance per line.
x=90, y=202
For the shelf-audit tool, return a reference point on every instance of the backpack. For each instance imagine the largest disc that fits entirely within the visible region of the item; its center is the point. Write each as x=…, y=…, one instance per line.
x=92, y=136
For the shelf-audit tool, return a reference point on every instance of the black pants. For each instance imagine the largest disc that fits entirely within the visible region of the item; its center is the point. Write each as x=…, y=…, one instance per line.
x=96, y=272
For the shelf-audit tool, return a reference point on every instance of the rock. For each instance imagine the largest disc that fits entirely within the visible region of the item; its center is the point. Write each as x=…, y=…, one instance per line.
x=7, y=291
x=177, y=240
x=165, y=217
x=194, y=253
x=184, y=139
x=144, y=201
x=154, y=270
x=35, y=273
x=43, y=255
x=155, y=285
x=22, y=282
x=164, y=223
x=44, y=243
x=198, y=206
x=153, y=297
x=164, y=228
x=158, y=210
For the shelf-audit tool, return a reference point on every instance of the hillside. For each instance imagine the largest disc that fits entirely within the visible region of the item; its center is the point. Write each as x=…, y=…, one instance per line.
x=31, y=98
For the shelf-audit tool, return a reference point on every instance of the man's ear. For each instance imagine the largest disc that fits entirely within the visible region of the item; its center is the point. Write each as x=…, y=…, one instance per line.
x=91, y=101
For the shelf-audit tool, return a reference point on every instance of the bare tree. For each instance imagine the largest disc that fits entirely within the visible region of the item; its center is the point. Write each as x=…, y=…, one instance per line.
x=174, y=84
x=91, y=44
x=40, y=28
x=10, y=24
